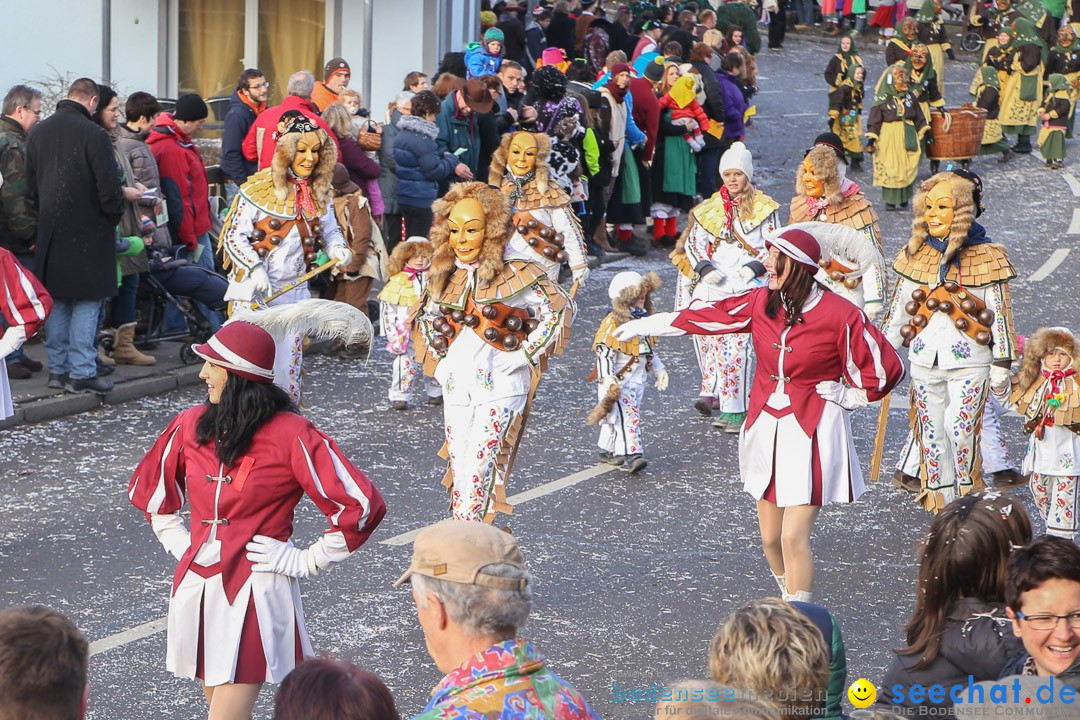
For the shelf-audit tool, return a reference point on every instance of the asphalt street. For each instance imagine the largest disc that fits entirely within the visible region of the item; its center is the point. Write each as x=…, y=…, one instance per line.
x=634, y=573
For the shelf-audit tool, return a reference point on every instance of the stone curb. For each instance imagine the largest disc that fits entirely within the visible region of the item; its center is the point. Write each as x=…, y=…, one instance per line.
x=72, y=404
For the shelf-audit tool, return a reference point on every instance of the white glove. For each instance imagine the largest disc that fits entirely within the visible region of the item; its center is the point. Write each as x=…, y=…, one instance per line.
x=12, y=340
x=846, y=397
x=260, y=281
x=658, y=324
x=661, y=380
x=580, y=273
x=714, y=278
x=284, y=558
x=746, y=274
x=999, y=376
x=343, y=255
x=171, y=533
x=872, y=309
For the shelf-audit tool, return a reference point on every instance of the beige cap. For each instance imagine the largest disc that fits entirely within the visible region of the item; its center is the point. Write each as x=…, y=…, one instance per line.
x=455, y=550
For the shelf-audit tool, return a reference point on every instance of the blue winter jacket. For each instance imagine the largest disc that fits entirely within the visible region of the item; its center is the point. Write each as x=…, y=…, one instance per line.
x=420, y=164
x=238, y=121
x=458, y=134
x=479, y=62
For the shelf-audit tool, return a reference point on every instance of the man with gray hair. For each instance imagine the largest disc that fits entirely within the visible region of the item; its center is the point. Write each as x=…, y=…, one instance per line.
x=473, y=593
x=261, y=138
x=18, y=218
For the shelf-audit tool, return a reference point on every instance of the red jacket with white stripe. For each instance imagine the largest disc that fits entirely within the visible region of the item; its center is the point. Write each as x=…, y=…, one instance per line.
x=288, y=458
x=835, y=341
x=25, y=300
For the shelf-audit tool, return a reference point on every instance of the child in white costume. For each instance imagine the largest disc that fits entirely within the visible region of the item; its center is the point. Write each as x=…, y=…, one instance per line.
x=622, y=369
x=1047, y=396
x=407, y=265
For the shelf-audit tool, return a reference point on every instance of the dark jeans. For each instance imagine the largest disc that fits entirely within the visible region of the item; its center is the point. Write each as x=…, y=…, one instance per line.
x=778, y=25
x=392, y=235
x=123, y=305
x=708, y=161
x=417, y=220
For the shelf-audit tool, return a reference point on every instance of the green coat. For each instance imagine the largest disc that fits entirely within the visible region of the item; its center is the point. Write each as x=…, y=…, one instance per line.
x=18, y=218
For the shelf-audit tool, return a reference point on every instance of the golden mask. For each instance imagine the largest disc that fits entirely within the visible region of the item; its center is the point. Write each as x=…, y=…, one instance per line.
x=307, y=155
x=468, y=228
x=521, y=158
x=940, y=209
x=813, y=186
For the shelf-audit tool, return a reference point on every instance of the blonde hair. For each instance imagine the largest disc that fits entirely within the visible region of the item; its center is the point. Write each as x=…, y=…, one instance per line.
x=701, y=698
x=963, y=194
x=770, y=647
x=338, y=118
x=713, y=38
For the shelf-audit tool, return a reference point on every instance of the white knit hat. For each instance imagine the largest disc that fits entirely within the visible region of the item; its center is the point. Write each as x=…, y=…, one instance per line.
x=621, y=281
x=738, y=157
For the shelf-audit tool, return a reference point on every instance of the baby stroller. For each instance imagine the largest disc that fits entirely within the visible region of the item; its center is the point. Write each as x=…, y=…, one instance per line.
x=176, y=283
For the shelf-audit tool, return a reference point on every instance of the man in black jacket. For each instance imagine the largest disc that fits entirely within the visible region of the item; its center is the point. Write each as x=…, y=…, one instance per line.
x=244, y=106
x=73, y=179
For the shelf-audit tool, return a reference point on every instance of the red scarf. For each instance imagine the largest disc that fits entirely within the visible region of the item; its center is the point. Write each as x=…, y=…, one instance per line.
x=412, y=272
x=304, y=201
x=730, y=206
x=1055, y=377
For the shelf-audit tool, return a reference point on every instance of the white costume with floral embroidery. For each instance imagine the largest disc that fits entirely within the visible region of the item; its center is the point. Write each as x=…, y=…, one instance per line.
x=620, y=429
x=485, y=390
x=283, y=264
x=396, y=300
x=949, y=371
x=713, y=245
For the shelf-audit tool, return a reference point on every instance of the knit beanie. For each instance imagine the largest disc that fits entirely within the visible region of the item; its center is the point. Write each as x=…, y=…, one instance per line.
x=190, y=108
x=493, y=35
x=654, y=70
x=334, y=66
x=738, y=157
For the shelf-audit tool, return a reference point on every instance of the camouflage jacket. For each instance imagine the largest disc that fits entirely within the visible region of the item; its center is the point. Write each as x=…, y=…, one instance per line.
x=18, y=218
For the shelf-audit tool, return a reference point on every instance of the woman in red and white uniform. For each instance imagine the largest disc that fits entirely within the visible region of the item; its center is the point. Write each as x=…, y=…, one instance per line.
x=24, y=304
x=818, y=357
x=243, y=461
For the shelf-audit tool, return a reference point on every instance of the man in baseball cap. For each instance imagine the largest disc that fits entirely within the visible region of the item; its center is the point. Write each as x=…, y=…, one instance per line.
x=473, y=592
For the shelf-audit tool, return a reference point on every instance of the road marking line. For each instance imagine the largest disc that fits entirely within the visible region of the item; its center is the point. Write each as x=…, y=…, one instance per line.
x=1074, y=226
x=1052, y=262
x=1074, y=184
x=808, y=114
x=128, y=636
x=153, y=627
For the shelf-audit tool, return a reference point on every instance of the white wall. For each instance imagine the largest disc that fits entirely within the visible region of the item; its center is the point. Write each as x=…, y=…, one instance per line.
x=134, y=48
x=62, y=34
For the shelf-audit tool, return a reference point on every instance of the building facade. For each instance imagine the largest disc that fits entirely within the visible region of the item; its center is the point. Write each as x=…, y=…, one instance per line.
x=170, y=47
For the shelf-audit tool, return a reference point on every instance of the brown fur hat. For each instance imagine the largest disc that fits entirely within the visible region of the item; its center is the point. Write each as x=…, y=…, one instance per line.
x=499, y=159
x=497, y=234
x=406, y=251
x=321, y=177
x=1038, y=346
x=627, y=295
x=824, y=162
x=963, y=192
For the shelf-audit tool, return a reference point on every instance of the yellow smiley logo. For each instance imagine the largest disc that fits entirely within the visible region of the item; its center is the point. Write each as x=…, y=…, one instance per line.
x=862, y=693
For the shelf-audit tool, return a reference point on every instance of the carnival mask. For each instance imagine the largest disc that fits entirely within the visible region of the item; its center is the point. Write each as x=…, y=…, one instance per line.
x=521, y=158
x=1065, y=35
x=900, y=80
x=307, y=155
x=468, y=227
x=814, y=187
x=940, y=210
x=918, y=57
x=1003, y=5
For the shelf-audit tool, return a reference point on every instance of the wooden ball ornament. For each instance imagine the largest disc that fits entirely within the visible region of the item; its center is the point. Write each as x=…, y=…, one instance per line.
x=851, y=283
x=491, y=334
x=951, y=287
x=439, y=344
x=932, y=303
x=513, y=324
x=562, y=256
x=986, y=316
x=470, y=320
x=907, y=332
x=912, y=308
x=968, y=305
x=275, y=224
x=257, y=235
x=918, y=295
x=961, y=324
x=489, y=311
x=945, y=307
x=982, y=337
x=510, y=342
x=919, y=321
x=458, y=316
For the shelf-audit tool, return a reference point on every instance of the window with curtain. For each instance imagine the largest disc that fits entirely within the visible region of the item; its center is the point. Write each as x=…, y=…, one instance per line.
x=291, y=38
x=211, y=46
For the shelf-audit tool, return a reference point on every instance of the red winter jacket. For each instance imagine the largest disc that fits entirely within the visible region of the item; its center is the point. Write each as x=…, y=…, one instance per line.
x=646, y=113
x=183, y=181
x=262, y=136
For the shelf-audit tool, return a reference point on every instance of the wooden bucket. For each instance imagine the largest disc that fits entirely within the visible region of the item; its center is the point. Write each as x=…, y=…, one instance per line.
x=958, y=134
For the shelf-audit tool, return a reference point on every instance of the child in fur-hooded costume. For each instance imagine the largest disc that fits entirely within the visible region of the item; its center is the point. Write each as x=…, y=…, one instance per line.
x=718, y=255
x=483, y=328
x=546, y=230
x=1046, y=394
x=823, y=193
x=622, y=370
x=408, y=263
x=951, y=307
x=281, y=217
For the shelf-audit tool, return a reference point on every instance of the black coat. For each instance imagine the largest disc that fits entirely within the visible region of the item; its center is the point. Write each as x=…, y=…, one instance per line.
x=561, y=33
x=74, y=180
x=714, y=100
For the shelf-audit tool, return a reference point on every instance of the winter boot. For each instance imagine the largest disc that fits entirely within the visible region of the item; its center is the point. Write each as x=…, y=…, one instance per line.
x=1023, y=145
x=672, y=230
x=124, y=352
x=659, y=230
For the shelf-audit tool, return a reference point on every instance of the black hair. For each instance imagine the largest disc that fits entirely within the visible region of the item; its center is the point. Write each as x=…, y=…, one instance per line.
x=793, y=295
x=579, y=72
x=105, y=96
x=247, y=76
x=141, y=104
x=453, y=63
x=244, y=406
x=732, y=62
x=1047, y=558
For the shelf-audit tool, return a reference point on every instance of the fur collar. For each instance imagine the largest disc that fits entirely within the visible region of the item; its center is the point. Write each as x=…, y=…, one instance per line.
x=419, y=125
